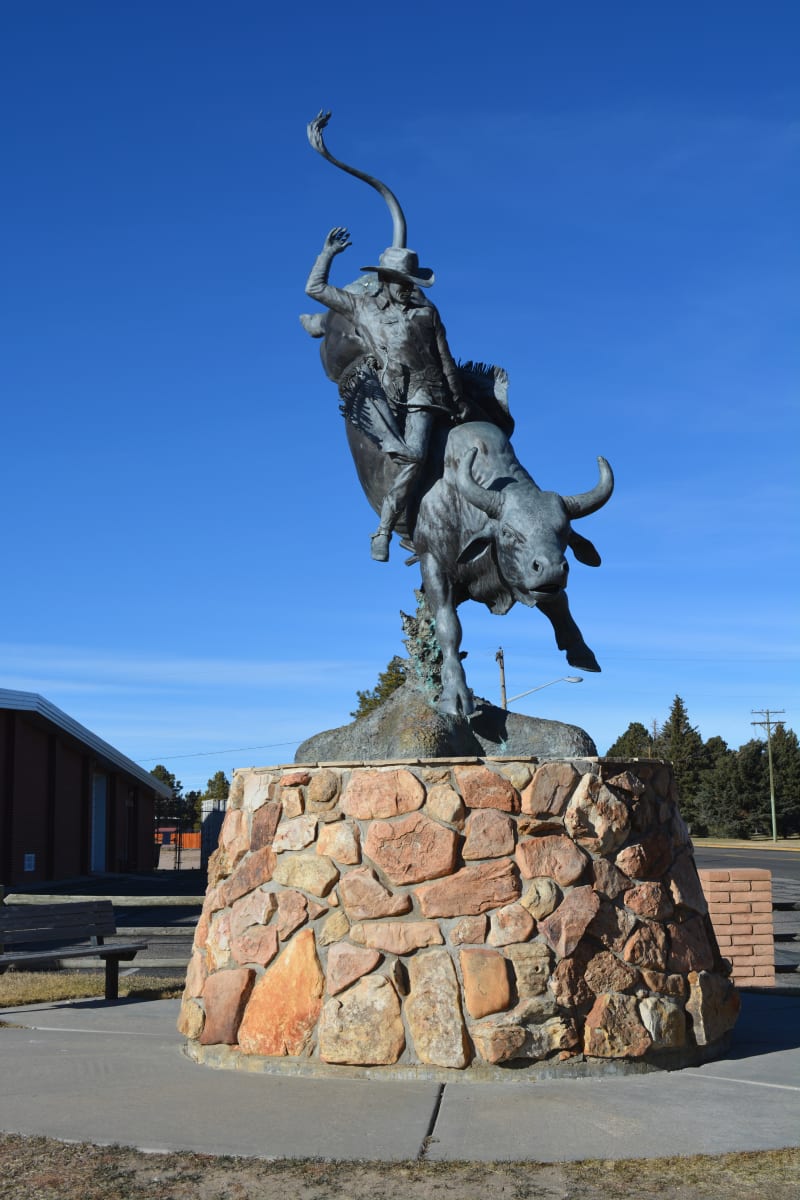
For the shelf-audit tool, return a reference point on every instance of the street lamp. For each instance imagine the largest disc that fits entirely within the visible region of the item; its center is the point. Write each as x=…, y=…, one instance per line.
x=561, y=679
x=504, y=703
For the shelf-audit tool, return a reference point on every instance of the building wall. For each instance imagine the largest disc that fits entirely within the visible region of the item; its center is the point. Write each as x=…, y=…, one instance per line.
x=45, y=806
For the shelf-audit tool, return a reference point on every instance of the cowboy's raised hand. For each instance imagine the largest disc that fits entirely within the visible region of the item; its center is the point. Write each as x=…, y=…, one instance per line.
x=337, y=240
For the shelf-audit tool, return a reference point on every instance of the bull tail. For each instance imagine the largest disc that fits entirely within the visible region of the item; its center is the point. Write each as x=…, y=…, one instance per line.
x=315, y=129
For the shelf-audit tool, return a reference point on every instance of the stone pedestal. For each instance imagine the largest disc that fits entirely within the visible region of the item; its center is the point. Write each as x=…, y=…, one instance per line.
x=456, y=915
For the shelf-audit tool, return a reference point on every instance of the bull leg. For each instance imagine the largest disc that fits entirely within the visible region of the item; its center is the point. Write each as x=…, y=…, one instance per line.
x=568, y=636
x=456, y=697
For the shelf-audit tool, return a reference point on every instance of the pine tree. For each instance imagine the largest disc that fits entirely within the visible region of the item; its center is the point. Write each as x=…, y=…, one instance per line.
x=388, y=682
x=635, y=742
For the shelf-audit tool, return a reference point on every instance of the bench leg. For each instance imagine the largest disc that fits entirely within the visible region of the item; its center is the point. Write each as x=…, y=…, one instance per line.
x=112, y=979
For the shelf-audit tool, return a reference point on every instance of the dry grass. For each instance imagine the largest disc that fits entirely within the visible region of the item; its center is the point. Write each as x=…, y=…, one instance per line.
x=42, y=1169
x=41, y=987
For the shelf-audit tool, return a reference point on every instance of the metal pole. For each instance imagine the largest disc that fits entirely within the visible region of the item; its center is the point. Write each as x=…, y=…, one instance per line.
x=767, y=713
x=499, y=659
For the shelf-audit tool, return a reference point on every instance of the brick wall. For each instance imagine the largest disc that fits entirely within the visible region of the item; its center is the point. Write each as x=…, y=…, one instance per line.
x=740, y=907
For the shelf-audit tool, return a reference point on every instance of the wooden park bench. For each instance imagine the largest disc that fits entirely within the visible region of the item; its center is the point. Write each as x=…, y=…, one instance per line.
x=75, y=930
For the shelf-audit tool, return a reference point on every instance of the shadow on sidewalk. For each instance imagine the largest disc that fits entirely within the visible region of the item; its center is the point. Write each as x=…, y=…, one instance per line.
x=767, y=1024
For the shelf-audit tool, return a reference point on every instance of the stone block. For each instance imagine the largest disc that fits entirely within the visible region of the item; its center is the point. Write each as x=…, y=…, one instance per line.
x=444, y=804
x=225, y=995
x=595, y=818
x=285, y=1003
x=649, y=858
x=312, y=872
x=363, y=1025
x=665, y=1020
x=347, y=963
x=265, y=822
x=365, y=898
x=614, y=1028
x=382, y=794
x=713, y=1005
x=510, y=924
x=488, y=834
x=340, y=841
x=473, y=889
x=396, y=937
x=482, y=788
x=553, y=855
x=433, y=1010
x=251, y=873
x=295, y=834
x=412, y=848
x=470, y=929
x=531, y=963
x=565, y=927
x=487, y=987
x=550, y=789
x=258, y=944
x=541, y=897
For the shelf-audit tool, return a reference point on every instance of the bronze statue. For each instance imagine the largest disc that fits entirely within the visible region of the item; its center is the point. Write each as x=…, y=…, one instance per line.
x=430, y=440
x=405, y=348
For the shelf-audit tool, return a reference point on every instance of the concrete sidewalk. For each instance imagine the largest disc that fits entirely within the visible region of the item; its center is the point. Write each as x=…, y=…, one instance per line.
x=115, y=1073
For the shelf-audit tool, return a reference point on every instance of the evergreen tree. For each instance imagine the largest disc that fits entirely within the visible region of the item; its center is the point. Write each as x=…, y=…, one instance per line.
x=635, y=742
x=680, y=743
x=388, y=681
x=176, y=808
x=217, y=787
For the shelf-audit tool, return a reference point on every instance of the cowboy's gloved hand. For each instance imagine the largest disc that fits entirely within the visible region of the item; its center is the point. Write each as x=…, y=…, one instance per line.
x=337, y=240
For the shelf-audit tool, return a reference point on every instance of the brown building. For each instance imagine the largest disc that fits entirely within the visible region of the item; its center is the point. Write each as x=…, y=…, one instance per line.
x=70, y=804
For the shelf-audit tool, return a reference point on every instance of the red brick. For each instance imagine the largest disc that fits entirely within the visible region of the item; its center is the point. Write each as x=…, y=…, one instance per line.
x=717, y=889
x=749, y=873
x=761, y=906
x=743, y=973
x=764, y=972
x=722, y=918
x=739, y=908
x=761, y=885
x=714, y=876
x=742, y=950
x=739, y=885
x=763, y=960
x=742, y=920
x=762, y=927
x=761, y=939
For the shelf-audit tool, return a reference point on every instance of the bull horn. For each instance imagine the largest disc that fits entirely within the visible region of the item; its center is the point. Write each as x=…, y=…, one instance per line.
x=315, y=129
x=489, y=502
x=589, y=502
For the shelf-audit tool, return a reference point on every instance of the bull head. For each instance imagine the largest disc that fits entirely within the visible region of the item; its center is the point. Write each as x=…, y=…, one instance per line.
x=531, y=529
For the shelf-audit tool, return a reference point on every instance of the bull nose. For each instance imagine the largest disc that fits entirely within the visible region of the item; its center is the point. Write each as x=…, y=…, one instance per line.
x=561, y=570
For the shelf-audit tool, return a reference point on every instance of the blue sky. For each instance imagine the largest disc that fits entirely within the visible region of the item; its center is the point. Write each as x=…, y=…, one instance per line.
x=608, y=195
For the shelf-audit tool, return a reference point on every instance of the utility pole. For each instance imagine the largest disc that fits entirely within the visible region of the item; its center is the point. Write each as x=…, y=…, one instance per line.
x=768, y=714
x=501, y=662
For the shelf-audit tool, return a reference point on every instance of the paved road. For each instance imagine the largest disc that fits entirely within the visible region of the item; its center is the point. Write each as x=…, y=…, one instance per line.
x=784, y=864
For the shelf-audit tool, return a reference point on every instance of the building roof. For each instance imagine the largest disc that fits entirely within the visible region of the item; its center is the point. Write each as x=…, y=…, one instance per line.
x=33, y=703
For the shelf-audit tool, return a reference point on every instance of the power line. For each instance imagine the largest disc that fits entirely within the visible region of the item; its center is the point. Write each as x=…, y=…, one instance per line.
x=157, y=758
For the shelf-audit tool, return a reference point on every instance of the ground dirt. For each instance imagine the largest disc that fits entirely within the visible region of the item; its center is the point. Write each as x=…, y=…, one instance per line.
x=42, y=1169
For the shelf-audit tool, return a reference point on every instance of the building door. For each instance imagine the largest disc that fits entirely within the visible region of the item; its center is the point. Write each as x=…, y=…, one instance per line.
x=99, y=807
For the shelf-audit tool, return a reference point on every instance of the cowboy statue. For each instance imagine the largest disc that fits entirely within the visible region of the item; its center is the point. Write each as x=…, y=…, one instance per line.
x=414, y=376
x=385, y=346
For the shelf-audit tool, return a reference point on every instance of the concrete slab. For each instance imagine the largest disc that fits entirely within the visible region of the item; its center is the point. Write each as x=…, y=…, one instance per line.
x=107, y=1073
x=140, y=1090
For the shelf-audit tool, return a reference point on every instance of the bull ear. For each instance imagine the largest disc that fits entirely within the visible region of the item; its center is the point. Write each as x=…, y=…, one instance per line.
x=583, y=550
x=479, y=544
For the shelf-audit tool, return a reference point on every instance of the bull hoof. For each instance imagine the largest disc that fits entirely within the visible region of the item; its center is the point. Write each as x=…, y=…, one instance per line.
x=459, y=704
x=583, y=658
